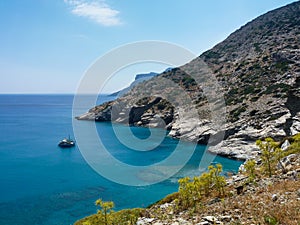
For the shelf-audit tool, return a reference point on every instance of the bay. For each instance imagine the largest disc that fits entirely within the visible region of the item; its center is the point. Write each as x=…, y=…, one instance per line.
x=44, y=185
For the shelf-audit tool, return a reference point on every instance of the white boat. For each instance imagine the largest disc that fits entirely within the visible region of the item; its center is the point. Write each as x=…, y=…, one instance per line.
x=66, y=143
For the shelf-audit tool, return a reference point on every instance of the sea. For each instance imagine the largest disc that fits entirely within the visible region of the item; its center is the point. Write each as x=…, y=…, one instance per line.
x=42, y=184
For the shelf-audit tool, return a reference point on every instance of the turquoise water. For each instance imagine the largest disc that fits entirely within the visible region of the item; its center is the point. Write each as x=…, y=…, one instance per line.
x=44, y=185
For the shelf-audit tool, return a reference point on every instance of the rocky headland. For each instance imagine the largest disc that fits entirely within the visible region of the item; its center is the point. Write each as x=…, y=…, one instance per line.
x=138, y=79
x=257, y=69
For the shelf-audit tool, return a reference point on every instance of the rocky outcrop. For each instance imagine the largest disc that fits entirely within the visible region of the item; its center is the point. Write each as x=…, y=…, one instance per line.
x=258, y=72
x=138, y=79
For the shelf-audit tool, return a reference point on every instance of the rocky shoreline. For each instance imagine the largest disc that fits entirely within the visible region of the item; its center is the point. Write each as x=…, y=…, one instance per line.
x=249, y=82
x=239, y=137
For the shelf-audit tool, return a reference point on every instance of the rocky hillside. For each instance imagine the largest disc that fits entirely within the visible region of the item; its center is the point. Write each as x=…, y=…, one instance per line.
x=257, y=69
x=266, y=190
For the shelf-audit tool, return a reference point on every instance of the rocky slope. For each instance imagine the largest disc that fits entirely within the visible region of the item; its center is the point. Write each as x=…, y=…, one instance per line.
x=245, y=88
x=268, y=200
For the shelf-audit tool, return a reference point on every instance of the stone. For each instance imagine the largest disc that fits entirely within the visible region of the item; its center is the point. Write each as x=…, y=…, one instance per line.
x=203, y=223
x=144, y=221
x=295, y=128
x=292, y=157
x=287, y=162
x=226, y=218
x=289, y=167
x=165, y=206
x=274, y=197
x=239, y=189
x=182, y=221
x=211, y=219
x=286, y=144
x=175, y=223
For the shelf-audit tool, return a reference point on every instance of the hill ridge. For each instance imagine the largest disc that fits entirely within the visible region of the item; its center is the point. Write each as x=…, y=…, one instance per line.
x=258, y=69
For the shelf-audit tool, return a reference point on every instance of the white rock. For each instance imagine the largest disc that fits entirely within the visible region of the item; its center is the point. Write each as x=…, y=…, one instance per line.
x=236, y=148
x=144, y=221
x=295, y=128
x=182, y=221
x=226, y=218
x=286, y=144
x=175, y=223
x=211, y=219
x=165, y=206
x=203, y=223
x=274, y=197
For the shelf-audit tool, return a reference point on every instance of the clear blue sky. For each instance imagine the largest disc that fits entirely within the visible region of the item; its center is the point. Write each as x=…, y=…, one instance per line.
x=46, y=45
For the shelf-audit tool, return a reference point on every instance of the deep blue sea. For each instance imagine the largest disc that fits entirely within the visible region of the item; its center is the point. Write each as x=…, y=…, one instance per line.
x=42, y=184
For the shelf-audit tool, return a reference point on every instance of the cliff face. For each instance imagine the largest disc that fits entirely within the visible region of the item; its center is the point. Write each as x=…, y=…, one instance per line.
x=258, y=70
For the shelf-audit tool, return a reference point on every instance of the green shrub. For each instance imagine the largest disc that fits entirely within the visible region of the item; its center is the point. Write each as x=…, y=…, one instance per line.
x=249, y=90
x=191, y=191
x=105, y=210
x=271, y=154
x=250, y=169
x=270, y=220
x=295, y=145
x=106, y=216
x=211, y=54
x=235, y=114
x=275, y=88
x=257, y=47
x=282, y=66
x=219, y=181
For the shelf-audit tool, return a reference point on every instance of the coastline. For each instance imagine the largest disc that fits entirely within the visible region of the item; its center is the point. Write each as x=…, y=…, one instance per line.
x=239, y=203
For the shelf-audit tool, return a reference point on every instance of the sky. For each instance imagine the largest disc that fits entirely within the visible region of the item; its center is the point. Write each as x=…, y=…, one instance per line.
x=47, y=45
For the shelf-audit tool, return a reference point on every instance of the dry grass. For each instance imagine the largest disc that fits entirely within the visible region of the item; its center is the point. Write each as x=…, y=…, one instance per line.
x=257, y=207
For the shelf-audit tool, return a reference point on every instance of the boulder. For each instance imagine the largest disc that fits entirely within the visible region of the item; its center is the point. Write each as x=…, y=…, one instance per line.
x=286, y=144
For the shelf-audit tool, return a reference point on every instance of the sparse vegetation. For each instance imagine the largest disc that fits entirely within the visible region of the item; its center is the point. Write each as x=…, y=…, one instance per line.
x=250, y=166
x=105, y=211
x=282, y=66
x=275, y=88
x=106, y=216
x=257, y=47
x=235, y=114
x=209, y=193
x=271, y=154
x=212, y=54
x=191, y=191
x=295, y=145
x=249, y=90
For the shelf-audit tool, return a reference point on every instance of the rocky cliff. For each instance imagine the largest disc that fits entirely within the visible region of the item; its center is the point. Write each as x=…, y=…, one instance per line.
x=138, y=79
x=257, y=69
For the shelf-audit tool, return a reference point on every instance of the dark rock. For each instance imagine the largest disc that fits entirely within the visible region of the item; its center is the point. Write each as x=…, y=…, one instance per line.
x=240, y=189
